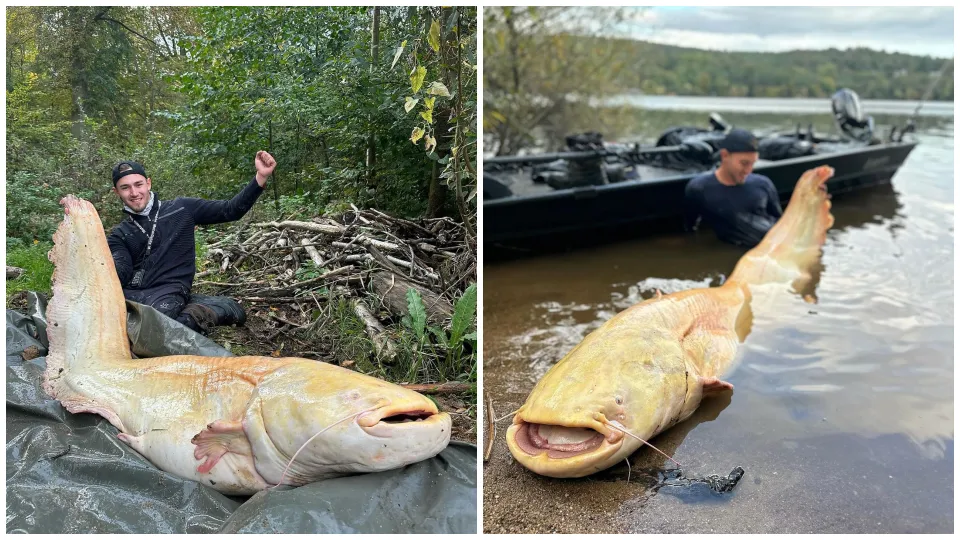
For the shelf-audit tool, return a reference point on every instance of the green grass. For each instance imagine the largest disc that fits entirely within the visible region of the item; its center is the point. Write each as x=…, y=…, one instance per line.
x=38, y=270
x=425, y=353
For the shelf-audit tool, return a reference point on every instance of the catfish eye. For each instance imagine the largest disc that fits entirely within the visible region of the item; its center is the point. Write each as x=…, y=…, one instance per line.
x=619, y=400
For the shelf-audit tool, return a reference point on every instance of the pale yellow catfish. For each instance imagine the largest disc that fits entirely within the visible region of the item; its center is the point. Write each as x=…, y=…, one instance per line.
x=231, y=423
x=647, y=368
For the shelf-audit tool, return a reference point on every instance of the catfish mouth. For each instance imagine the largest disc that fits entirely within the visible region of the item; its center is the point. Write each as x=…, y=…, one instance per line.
x=558, y=442
x=405, y=417
x=392, y=421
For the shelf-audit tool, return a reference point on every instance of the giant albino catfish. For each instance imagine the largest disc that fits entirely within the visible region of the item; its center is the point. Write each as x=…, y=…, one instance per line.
x=647, y=368
x=237, y=424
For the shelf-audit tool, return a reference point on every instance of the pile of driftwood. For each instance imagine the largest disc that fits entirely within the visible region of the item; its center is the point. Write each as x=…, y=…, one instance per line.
x=365, y=256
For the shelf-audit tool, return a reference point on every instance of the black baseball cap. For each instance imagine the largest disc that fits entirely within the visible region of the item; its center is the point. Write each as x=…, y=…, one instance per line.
x=127, y=167
x=739, y=140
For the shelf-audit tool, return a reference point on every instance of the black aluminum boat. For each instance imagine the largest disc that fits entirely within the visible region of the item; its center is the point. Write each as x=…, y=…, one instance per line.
x=600, y=192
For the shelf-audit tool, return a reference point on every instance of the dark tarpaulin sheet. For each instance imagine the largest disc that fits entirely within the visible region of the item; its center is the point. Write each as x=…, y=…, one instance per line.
x=69, y=473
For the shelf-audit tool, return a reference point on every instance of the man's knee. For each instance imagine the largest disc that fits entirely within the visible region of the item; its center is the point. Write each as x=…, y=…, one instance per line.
x=170, y=305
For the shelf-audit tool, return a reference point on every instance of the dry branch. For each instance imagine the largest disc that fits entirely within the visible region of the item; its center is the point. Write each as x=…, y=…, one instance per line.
x=312, y=252
x=306, y=226
x=378, y=334
x=439, y=388
x=491, y=429
x=366, y=257
x=392, y=289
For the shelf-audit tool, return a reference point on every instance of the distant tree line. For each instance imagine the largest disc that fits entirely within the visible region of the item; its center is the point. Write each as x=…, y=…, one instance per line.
x=665, y=70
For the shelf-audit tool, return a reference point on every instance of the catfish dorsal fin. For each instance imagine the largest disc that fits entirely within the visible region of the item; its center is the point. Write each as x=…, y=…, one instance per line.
x=87, y=316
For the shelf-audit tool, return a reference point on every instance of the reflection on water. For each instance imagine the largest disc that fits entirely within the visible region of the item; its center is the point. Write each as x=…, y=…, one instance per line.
x=842, y=415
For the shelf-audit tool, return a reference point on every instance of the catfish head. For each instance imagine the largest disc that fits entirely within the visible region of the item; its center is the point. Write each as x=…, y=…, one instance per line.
x=336, y=421
x=624, y=377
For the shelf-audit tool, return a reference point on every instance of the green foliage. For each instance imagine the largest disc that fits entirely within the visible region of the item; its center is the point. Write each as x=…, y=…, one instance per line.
x=531, y=70
x=308, y=271
x=31, y=207
x=446, y=107
x=349, y=339
x=193, y=93
x=451, y=353
x=424, y=352
x=417, y=319
x=872, y=74
x=464, y=316
x=38, y=270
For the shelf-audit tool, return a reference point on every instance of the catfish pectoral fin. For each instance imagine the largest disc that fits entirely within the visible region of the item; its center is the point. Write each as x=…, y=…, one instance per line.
x=218, y=439
x=713, y=385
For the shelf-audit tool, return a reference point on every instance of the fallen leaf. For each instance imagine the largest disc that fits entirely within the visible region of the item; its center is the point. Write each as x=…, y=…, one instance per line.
x=30, y=352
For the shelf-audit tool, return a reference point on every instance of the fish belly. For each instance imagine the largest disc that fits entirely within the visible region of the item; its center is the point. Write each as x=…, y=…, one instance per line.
x=171, y=451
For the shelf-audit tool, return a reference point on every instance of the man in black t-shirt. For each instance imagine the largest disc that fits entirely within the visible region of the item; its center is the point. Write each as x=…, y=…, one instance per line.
x=154, y=249
x=738, y=205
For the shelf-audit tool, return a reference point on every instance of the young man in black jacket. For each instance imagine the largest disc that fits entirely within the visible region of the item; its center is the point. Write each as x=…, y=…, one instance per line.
x=154, y=248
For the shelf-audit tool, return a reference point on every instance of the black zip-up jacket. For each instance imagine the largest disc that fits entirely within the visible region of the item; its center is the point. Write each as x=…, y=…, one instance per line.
x=172, y=262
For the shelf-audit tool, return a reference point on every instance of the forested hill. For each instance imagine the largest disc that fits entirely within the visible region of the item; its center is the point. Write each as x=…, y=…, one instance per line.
x=665, y=69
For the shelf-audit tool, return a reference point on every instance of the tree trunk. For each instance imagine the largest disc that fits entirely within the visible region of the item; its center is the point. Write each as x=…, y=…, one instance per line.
x=371, y=137
x=324, y=153
x=437, y=193
x=275, y=180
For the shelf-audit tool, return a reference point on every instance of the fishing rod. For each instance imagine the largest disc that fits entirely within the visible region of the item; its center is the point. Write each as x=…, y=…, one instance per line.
x=911, y=125
x=926, y=95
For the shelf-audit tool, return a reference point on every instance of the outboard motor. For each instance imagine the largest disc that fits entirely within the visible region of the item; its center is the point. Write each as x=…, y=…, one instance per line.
x=718, y=123
x=849, y=116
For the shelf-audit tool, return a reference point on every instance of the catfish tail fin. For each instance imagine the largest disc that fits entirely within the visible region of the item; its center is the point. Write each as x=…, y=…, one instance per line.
x=87, y=317
x=790, y=251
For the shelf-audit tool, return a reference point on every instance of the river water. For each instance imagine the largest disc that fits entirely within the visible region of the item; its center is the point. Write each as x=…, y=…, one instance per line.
x=842, y=414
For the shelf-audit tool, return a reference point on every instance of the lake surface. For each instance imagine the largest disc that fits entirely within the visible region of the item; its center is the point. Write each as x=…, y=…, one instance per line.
x=842, y=414
x=742, y=104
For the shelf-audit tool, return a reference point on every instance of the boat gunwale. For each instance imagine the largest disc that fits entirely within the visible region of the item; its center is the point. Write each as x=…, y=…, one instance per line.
x=633, y=184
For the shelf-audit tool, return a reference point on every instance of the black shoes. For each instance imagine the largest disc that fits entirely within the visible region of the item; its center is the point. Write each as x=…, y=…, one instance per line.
x=210, y=311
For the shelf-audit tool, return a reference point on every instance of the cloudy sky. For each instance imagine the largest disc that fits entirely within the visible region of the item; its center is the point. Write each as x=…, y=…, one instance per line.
x=913, y=30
